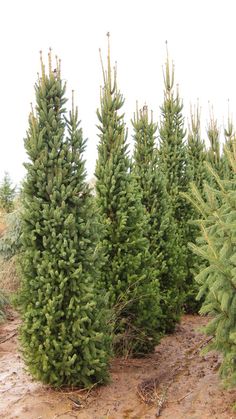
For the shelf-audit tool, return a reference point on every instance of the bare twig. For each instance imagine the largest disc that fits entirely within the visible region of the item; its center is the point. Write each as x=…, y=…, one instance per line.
x=8, y=337
x=90, y=389
x=181, y=398
x=186, y=395
x=198, y=346
x=76, y=402
x=162, y=401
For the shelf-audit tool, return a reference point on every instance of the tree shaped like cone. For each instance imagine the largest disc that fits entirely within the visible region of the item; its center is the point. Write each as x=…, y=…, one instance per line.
x=7, y=194
x=196, y=156
x=196, y=149
x=172, y=150
x=64, y=333
x=162, y=228
x=173, y=164
x=128, y=276
x=230, y=144
x=213, y=153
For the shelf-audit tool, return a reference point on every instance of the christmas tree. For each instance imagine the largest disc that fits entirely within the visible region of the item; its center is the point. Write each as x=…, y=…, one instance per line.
x=173, y=164
x=162, y=229
x=217, y=279
x=172, y=150
x=64, y=336
x=196, y=156
x=213, y=153
x=230, y=137
x=128, y=275
x=10, y=241
x=196, y=149
x=7, y=193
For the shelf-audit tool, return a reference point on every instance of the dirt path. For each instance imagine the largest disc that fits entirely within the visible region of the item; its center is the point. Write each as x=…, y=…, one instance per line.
x=175, y=376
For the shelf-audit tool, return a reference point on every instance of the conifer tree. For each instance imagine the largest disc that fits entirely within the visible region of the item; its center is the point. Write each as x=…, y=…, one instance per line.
x=172, y=150
x=162, y=229
x=173, y=164
x=7, y=193
x=196, y=150
x=64, y=333
x=196, y=156
x=213, y=152
x=128, y=275
x=217, y=279
x=230, y=136
x=10, y=241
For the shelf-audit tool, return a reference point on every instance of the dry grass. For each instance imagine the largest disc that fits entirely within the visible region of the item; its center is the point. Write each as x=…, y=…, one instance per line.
x=2, y=223
x=148, y=391
x=9, y=278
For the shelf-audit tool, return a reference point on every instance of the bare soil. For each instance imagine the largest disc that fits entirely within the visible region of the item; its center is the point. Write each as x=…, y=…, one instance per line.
x=175, y=382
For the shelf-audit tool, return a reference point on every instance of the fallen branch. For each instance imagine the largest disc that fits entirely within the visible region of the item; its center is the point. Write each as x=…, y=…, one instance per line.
x=186, y=395
x=91, y=388
x=8, y=337
x=181, y=398
x=199, y=345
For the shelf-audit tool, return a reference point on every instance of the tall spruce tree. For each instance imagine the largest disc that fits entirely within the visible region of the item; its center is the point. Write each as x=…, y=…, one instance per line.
x=7, y=193
x=213, y=152
x=217, y=279
x=196, y=156
x=230, y=136
x=172, y=149
x=162, y=229
x=173, y=164
x=196, y=149
x=64, y=328
x=128, y=275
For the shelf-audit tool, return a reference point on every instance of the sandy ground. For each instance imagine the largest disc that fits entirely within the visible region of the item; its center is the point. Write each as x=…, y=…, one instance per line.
x=175, y=382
